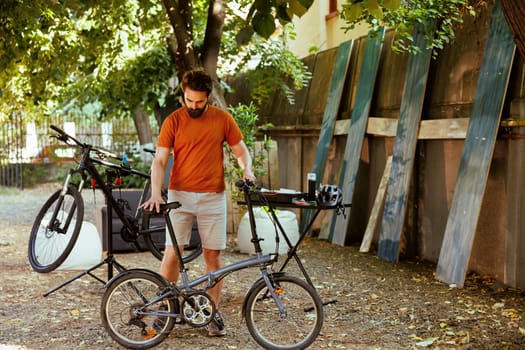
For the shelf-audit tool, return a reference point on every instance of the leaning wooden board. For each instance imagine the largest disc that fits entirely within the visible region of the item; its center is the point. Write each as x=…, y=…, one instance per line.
x=404, y=150
x=356, y=133
x=477, y=151
x=330, y=114
x=377, y=208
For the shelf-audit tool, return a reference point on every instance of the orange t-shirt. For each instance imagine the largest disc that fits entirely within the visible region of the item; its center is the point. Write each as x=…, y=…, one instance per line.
x=197, y=145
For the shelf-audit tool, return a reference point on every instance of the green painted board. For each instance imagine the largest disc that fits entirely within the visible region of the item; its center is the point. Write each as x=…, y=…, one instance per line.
x=477, y=151
x=333, y=100
x=356, y=131
x=404, y=150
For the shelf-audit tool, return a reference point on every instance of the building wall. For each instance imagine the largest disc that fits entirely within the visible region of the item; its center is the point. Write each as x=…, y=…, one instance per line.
x=319, y=30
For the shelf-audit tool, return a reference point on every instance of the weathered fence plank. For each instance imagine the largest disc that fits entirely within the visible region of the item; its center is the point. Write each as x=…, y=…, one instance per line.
x=404, y=149
x=356, y=132
x=330, y=114
x=477, y=151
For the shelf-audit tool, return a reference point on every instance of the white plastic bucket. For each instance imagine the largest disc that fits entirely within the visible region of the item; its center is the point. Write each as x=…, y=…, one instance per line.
x=87, y=251
x=266, y=230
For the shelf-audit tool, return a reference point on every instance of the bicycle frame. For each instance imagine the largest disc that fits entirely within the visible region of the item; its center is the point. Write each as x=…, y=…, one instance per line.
x=213, y=277
x=140, y=308
x=87, y=165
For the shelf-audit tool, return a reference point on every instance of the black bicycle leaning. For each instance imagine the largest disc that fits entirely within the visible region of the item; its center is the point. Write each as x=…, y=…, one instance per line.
x=282, y=312
x=58, y=223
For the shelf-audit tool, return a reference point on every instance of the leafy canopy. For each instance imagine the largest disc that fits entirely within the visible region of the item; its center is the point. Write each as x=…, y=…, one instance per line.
x=402, y=15
x=103, y=59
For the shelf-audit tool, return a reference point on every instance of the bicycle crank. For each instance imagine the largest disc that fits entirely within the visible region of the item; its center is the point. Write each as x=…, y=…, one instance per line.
x=198, y=309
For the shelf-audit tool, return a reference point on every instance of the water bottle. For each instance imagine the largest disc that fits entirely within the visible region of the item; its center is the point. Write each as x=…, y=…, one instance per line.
x=312, y=186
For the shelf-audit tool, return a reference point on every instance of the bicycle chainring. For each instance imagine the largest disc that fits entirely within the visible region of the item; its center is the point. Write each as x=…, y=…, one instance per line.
x=198, y=309
x=127, y=234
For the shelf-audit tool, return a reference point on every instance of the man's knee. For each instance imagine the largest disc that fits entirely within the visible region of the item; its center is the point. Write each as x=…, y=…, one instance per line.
x=212, y=258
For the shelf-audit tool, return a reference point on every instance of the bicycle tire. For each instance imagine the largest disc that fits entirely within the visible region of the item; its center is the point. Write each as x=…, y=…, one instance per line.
x=125, y=296
x=300, y=326
x=49, y=247
x=157, y=247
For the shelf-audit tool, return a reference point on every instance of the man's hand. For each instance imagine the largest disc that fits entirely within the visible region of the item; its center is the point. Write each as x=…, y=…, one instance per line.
x=248, y=175
x=153, y=203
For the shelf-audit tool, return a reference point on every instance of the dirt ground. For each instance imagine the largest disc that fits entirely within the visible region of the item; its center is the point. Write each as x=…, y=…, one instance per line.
x=378, y=305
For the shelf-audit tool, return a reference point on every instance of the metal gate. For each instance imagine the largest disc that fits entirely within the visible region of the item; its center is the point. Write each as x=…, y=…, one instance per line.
x=118, y=135
x=11, y=143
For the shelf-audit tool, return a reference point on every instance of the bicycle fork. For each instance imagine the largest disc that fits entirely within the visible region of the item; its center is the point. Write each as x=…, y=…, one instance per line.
x=274, y=292
x=53, y=225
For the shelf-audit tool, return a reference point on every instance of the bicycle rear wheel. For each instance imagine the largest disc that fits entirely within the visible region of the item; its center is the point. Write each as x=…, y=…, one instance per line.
x=301, y=322
x=55, y=230
x=151, y=234
x=125, y=316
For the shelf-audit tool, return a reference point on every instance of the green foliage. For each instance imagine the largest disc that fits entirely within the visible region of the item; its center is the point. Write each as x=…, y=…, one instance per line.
x=246, y=117
x=270, y=67
x=447, y=15
x=104, y=59
x=58, y=57
x=263, y=14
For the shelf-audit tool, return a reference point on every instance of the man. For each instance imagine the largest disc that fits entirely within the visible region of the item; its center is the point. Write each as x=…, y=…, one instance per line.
x=195, y=133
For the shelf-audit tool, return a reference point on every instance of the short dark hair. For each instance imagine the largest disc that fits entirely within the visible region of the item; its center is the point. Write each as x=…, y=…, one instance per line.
x=198, y=80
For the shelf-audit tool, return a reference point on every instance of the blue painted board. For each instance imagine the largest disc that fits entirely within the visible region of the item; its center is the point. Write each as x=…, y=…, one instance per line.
x=477, y=151
x=330, y=115
x=356, y=132
x=404, y=149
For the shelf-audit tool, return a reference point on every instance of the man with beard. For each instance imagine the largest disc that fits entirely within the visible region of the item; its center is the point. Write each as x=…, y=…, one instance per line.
x=195, y=133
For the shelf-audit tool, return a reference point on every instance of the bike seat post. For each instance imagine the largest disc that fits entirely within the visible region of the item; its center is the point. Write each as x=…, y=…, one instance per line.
x=182, y=267
x=255, y=238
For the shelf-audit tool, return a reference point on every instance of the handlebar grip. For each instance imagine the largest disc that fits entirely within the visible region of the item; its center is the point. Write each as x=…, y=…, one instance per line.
x=239, y=184
x=244, y=184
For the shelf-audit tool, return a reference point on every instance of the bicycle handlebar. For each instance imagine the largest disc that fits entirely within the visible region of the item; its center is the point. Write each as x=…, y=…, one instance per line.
x=65, y=137
x=124, y=169
x=245, y=185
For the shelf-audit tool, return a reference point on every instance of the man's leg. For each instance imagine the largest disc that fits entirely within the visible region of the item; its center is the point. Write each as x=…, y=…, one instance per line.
x=169, y=266
x=212, y=259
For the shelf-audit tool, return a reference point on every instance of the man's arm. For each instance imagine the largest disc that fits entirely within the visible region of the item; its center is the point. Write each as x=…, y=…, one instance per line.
x=244, y=159
x=158, y=169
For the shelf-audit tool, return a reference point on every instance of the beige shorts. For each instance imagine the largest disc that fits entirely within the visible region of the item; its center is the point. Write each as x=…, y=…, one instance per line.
x=210, y=210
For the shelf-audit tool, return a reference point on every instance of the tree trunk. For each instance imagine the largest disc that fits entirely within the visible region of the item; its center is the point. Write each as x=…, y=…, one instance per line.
x=211, y=48
x=141, y=119
x=181, y=49
x=515, y=14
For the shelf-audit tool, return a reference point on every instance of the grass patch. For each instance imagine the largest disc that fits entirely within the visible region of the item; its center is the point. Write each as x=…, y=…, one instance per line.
x=5, y=191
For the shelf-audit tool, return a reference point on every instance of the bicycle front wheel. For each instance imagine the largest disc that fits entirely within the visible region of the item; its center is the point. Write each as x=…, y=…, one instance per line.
x=55, y=230
x=294, y=328
x=125, y=315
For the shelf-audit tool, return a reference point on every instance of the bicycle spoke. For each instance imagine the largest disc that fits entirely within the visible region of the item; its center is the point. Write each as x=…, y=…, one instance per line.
x=297, y=327
x=125, y=315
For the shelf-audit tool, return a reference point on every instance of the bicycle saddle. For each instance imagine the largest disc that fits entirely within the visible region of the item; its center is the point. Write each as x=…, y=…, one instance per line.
x=164, y=207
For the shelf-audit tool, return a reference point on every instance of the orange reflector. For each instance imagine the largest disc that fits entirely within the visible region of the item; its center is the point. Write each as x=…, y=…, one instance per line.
x=150, y=334
x=279, y=290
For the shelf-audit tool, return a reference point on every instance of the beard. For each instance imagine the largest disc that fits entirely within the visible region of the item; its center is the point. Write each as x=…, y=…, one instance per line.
x=196, y=112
